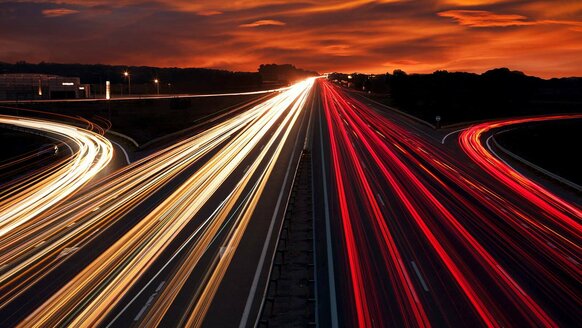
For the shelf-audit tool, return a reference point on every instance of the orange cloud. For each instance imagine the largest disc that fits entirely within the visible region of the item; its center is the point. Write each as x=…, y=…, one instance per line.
x=472, y=2
x=209, y=12
x=58, y=12
x=264, y=22
x=371, y=36
x=482, y=18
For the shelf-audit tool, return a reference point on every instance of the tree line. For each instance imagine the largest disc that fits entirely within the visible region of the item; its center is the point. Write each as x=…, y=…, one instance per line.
x=460, y=96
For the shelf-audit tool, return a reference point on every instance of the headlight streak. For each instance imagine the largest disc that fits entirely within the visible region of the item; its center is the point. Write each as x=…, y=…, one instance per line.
x=75, y=223
x=93, y=153
x=371, y=135
x=87, y=298
x=201, y=304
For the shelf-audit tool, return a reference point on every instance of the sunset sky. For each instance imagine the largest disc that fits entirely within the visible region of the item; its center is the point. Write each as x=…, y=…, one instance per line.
x=542, y=38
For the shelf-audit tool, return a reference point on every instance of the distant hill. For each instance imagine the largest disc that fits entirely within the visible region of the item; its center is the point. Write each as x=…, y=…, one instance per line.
x=459, y=96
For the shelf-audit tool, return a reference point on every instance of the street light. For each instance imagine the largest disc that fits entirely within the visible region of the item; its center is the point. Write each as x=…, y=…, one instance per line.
x=157, y=82
x=128, y=76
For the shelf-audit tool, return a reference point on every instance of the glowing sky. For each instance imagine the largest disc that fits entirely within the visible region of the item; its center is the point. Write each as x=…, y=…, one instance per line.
x=541, y=38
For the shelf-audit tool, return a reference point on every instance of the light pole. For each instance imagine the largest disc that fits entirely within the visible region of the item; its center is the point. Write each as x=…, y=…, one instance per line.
x=157, y=82
x=128, y=76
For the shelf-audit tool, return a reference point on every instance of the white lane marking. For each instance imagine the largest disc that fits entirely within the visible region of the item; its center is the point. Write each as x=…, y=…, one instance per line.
x=424, y=286
x=451, y=133
x=380, y=200
x=254, y=286
x=125, y=137
x=487, y=142
x=194, y=234
x=144, y=308
x=122, y=150
x=67, y=251
x=530, y=164
x=160, y=286
x=330, y=262
x=313, y=231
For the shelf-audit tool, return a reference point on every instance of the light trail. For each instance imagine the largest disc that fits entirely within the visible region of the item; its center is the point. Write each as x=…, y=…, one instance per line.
x=366, y=304
x=88, y=298
x=25, y=201
x=76, y=223
x=567, y=216
x=199, y=305
x=445, y=218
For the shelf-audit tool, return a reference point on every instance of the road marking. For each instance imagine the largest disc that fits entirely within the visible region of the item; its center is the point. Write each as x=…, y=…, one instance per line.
x=144, y=308
x=380, y=200
x=530, y=164
x=254, y=286
x=125, y=137
x=67, y=251
x=330, y=262
x=194, y=234
x=122, y=150
x=160, y=286
x=487, y=142
x=424, y=286
x=451, y=133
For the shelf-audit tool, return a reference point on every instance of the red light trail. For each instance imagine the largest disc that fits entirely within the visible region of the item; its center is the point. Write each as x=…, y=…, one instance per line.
x=498, y=251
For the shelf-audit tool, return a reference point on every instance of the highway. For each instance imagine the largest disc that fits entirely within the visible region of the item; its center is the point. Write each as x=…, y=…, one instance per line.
x=416, y=233
x=170, y=220
x=410, y=230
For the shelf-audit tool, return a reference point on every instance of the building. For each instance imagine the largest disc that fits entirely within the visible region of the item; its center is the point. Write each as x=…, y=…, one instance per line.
x=41, y=86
